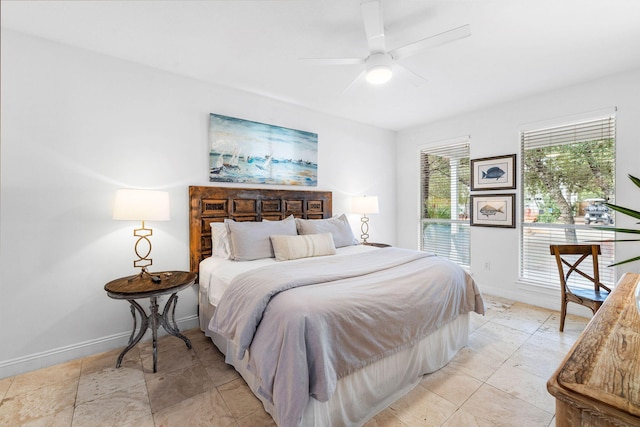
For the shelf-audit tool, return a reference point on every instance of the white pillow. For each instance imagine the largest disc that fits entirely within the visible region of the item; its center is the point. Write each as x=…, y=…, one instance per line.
x=338, y=227
x=289, y=218
x=250, y=240
x=220, y=240
x=294, y=247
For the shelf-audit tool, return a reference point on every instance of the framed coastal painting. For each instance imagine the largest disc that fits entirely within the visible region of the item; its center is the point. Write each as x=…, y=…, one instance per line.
x=243, y=151
x=493, y=173
x=493, y=210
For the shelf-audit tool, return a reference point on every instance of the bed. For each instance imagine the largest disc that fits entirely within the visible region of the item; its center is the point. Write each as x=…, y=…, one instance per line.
x=325, y=332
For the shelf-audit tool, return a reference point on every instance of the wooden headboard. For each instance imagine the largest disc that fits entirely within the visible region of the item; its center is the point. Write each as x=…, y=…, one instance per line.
x=214, y=204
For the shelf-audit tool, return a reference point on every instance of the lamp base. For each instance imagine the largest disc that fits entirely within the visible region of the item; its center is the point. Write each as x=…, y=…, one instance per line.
x=364, y=228
x=143, y=260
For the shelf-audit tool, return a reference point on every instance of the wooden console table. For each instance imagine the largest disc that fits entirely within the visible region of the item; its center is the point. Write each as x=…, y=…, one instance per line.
x=598, y=382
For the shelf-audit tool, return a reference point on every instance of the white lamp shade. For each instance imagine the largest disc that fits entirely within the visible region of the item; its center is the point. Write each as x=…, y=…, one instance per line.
x=141, y=205
x=365, y=205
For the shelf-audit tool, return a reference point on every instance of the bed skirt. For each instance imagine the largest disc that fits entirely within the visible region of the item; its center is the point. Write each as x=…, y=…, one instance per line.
x=362, y=394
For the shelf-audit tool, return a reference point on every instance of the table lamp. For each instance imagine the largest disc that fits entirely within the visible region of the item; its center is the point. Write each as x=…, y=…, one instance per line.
x=142, y=205
x=365, y=205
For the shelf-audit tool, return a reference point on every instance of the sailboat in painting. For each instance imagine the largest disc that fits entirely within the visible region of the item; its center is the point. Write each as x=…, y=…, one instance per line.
x=233, y=163
x=217, y=168
x=266, y=163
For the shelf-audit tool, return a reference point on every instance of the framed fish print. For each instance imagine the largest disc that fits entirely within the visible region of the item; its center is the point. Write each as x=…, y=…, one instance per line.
x=493, y=173
x=493, y=210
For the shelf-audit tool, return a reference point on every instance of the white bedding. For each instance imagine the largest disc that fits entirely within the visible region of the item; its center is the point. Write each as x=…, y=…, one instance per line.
x=217, y=273
x=358, y=396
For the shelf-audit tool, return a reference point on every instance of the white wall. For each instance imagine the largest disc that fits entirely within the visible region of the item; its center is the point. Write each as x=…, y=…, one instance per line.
x=76, y=126
x=495, y=131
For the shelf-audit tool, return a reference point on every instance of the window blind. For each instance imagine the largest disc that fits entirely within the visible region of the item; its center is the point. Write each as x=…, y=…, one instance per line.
x=595, y=130
x=444, y=195
x=566, y=171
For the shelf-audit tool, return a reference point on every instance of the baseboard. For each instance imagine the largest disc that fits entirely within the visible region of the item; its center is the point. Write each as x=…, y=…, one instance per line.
x=58, y=355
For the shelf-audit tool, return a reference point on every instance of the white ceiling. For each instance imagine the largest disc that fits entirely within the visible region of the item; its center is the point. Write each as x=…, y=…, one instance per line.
x=516, y=47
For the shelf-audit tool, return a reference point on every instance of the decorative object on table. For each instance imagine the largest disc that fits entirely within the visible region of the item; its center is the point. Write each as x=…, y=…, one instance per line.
x=493, y=173
x=365, y=205
x=243, y=151
x=629, y=212
x=142, y=205
x=493, y=210
x=377, y=245
x=144, y=286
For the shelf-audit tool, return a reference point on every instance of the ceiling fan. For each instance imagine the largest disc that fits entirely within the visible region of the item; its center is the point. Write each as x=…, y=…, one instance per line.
x=380, y=64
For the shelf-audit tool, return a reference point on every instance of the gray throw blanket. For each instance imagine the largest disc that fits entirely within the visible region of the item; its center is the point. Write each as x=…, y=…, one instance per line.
x=338, y=314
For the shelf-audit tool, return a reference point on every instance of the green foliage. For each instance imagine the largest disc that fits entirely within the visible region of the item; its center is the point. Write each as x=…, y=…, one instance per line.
x=549, y=215
x=549, y=212
x=629, y=212
x=564, y=173
x=584, y=167
x=437, y=181
x=439, y=212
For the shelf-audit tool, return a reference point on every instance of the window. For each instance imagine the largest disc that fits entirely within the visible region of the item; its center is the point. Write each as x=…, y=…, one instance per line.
x=444, y=183
x=568, y=172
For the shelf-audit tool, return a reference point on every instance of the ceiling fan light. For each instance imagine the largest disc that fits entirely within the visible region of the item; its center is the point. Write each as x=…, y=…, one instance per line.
x=379, y=74
x=378, y=67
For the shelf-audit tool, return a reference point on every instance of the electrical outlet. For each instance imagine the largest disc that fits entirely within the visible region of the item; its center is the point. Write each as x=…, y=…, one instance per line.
x=487, y=265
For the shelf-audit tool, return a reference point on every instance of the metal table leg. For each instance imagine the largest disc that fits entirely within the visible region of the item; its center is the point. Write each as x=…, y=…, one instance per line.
x=168, y=320
x=144, y=324
x=154, y=329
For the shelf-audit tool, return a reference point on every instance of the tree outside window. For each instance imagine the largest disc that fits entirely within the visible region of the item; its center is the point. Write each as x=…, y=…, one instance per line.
x=568, y=174
x=562, y=181
x=445, y=178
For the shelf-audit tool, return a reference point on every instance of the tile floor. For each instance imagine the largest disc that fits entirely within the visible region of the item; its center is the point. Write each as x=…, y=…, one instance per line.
x=499, y=379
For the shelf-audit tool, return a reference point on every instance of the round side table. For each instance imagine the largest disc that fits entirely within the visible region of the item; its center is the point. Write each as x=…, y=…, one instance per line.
x=151, y=285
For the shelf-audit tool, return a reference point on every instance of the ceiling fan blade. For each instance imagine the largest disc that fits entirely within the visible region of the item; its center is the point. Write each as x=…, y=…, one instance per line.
x=357, y=81
x=373, y=24
x=408, y=75
x=332, y=61
x=433, y=41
